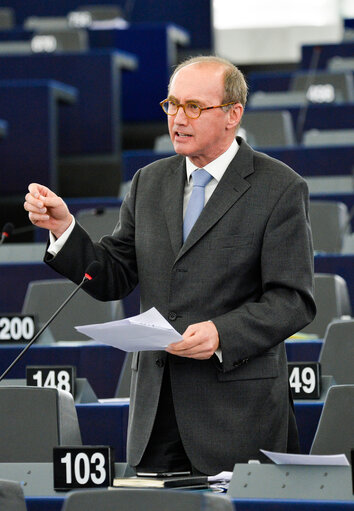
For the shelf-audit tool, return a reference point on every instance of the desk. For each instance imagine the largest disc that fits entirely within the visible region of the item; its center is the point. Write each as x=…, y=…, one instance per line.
x=101, y=364
x=307, y=161
x=319, y=116
x=105, y=424
x=342, y=49
x=32, y=110
x=3, y=128
x=155, y=46
x=15, y=277
x=286, y=505
x=55, y=503
x=139, y=11
x=93, y=124
x=101, y=423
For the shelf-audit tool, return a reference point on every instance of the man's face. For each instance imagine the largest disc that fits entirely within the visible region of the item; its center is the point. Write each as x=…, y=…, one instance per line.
x=207, y=137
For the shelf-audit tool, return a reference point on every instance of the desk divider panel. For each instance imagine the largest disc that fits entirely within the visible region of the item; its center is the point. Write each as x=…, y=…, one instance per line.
x=29, y=151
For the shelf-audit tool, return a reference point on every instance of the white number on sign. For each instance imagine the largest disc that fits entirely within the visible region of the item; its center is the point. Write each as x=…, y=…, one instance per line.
x=62, y=383
x=15, y=328
x=82, y=468
x=304, y=380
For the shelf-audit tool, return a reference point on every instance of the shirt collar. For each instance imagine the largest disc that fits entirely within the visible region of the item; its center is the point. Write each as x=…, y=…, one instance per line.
x=217, y=167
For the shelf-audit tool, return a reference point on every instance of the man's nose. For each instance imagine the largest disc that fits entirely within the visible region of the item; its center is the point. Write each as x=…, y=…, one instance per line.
x=180, y=116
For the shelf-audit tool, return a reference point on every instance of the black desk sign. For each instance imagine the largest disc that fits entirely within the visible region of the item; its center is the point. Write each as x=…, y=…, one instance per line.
x=16, y=327
x=304, y=380
x=87, y=466
x=59, y=377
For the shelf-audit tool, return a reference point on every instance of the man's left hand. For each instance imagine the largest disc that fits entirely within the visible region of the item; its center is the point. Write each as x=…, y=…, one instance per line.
x=199, y=341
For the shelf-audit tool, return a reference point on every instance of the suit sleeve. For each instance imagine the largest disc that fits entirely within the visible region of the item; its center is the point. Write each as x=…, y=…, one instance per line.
x=116, y=253
x=286, y=304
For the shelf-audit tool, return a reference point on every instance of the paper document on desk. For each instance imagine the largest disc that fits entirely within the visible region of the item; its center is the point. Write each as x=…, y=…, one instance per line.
x=145, y=332
x=281, y=458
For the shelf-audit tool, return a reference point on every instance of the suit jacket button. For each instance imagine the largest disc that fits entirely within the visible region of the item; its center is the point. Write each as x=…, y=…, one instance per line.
x=160, y=362
x=172, y=316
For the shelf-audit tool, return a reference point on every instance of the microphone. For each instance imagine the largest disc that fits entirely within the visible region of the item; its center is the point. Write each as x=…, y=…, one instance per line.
x=310, y=79
x=92, y=270
x=6, y=232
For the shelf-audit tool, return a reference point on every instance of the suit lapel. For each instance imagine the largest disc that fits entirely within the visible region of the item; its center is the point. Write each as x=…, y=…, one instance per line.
x=173, y=191
x=231, y=187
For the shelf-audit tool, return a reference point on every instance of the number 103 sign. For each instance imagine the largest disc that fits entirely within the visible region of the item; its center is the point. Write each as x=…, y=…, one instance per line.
x=87, y=466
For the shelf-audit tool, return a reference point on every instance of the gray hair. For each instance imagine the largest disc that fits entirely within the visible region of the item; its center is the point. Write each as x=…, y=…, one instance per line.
x=235, y=87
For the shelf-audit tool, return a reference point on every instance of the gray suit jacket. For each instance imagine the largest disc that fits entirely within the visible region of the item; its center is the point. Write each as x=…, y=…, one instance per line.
x=247, y=265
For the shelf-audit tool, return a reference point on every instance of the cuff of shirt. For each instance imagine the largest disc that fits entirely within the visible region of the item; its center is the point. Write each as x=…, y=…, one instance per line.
x=56, y=244
x=218, y=353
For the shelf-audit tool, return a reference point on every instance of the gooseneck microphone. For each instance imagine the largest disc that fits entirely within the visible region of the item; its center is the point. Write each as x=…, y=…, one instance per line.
x=6, y=232
x=93, y=269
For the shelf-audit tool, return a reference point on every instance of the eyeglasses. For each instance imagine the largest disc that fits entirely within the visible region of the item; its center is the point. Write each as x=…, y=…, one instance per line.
x=191, y=109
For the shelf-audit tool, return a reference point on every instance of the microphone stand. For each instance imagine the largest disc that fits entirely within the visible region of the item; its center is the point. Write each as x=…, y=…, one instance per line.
x=85, y=279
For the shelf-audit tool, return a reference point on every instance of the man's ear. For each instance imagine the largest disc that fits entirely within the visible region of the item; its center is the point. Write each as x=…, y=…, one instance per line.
x=235, y=116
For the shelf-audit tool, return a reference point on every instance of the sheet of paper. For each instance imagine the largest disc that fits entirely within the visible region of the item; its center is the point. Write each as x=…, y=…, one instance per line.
x=144, y=332
x=281, y=458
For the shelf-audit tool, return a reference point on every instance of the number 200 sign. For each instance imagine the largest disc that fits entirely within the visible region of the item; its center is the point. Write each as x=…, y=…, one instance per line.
x=82, y=467
x=16, y=328
x=304, y=380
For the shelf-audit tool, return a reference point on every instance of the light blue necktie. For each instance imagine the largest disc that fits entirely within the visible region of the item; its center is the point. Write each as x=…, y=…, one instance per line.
x=195, y=206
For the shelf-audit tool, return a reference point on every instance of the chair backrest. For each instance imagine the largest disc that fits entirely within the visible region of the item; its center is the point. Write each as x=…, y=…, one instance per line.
x=11, y=496
x=279, y=99
x=46, y=23
x=319, y=138
x=163, y=144
x=337, y=353
x=102, y=12
x=43, y=298
x=339, y=86
x=98, y=222
x=145, y=500
x=335, y=432
x=329, y=224
x=332, y=302
x=7, y=18
x=33, y=420
x=67, y=39
x=269, y=128
x=340, y=64
x=123, y=385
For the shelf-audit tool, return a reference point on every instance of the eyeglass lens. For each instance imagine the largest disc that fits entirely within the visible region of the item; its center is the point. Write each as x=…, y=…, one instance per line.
x=191, y=109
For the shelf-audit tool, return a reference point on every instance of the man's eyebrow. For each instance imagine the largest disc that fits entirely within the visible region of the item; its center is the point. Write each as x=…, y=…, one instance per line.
x=197, y=101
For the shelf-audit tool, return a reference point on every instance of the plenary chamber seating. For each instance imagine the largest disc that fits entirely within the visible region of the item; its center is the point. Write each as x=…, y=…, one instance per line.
x=89, y=134
x=268, y=128
x=98, y=222
x=337, y=353
x=330, y=224
x=332, y=302
x=32, y=109
x=11, y=496
x=33, y=420
x=335, y=432
x=44, y=297
x=146, y=500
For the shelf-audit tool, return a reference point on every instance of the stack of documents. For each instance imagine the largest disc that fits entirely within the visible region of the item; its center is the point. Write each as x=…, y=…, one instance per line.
x=145, y=332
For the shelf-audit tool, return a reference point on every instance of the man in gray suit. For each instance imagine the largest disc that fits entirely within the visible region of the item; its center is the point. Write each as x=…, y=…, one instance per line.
x=235, y=284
